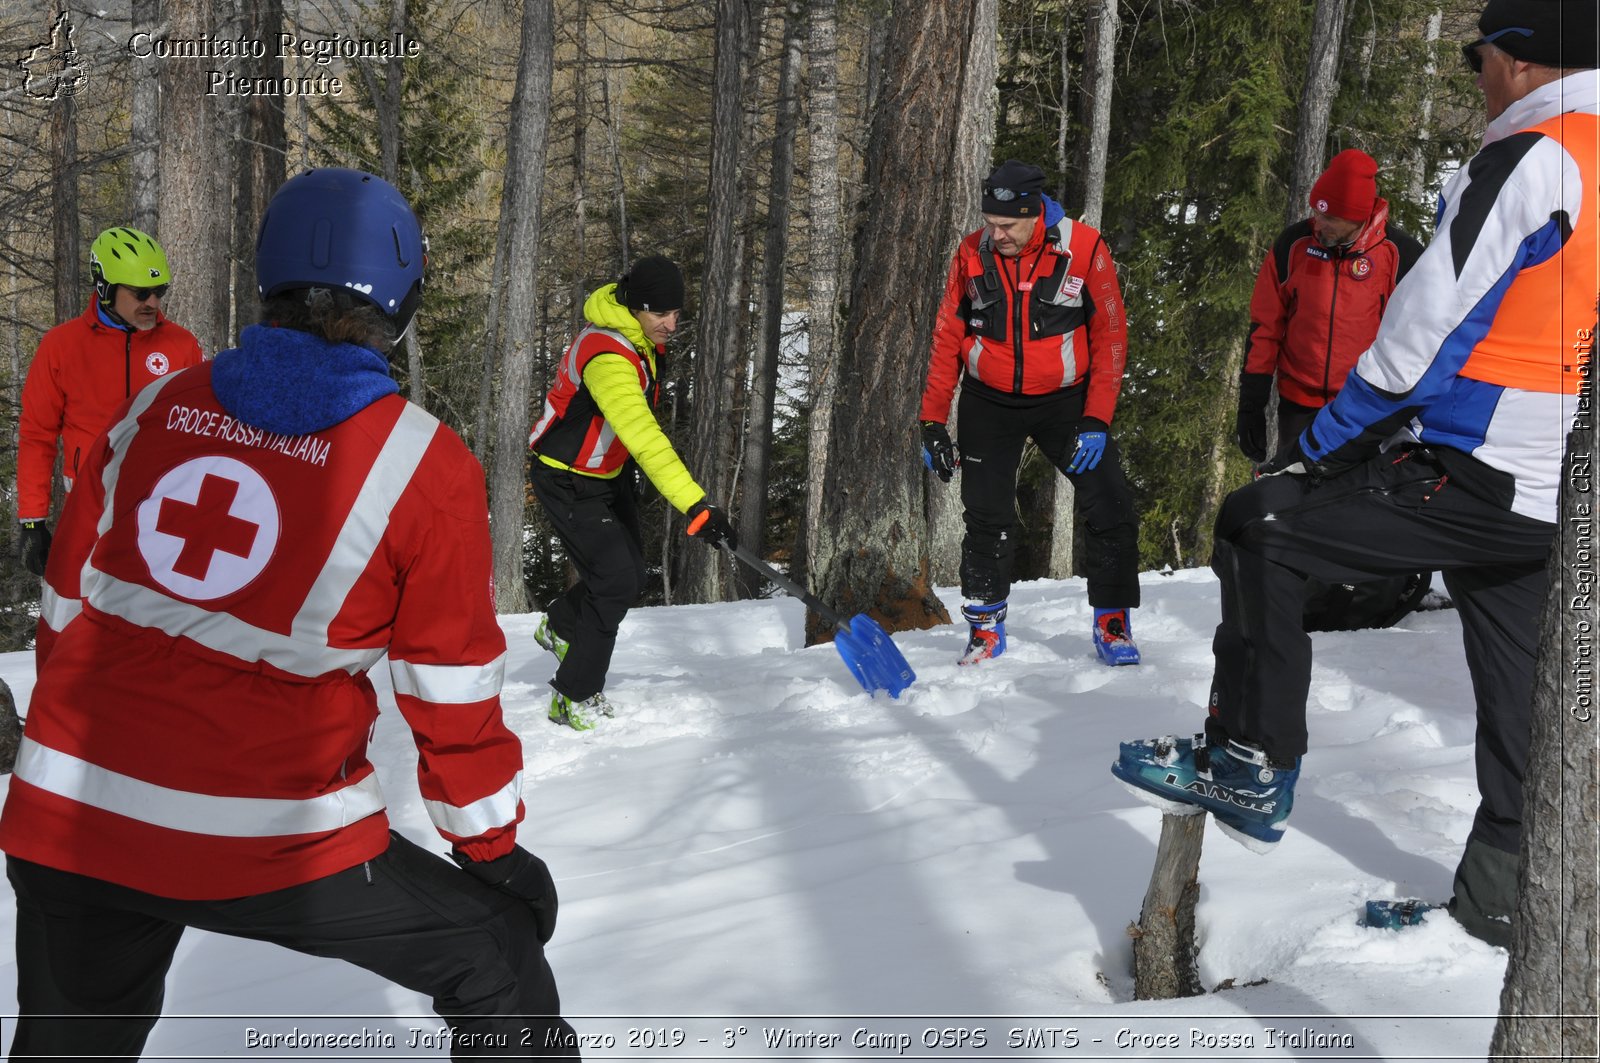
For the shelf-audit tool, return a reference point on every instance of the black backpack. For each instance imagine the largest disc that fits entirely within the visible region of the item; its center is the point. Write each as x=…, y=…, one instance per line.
x=1375, y=603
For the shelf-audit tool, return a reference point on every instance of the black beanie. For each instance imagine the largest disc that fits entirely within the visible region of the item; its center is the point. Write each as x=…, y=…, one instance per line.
x=654, y=284
x=1556, y=33
x=1014, y=190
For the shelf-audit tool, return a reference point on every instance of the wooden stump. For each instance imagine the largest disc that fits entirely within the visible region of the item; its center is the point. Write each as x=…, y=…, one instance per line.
x=1163, y=938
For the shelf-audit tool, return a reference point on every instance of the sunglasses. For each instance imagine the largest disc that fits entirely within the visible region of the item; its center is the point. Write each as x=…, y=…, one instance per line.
x=1004, y=195
x=141, y=294
x=1474, y=57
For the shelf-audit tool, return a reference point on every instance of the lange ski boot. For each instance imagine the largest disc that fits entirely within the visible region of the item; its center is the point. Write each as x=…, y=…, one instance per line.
x=1249, y=796
x=1113, y=637
x=988, y=636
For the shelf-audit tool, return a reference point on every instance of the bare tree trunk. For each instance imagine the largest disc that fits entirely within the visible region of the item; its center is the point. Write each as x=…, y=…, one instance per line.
x=1316, y=104
x=1547, y=1006
x=1101, y=80
x=513, y=300
x=872, y=552
x=757, y=461
x=196, y=172
x=1164, y=964
x=66, y=238
x=1417, y=183
x=719, y=339
x=974, y=148
x=1064, y=112
x=580, y=170
x=263, y=156
x=614, y=148
x=144, y=102
x=823, y=255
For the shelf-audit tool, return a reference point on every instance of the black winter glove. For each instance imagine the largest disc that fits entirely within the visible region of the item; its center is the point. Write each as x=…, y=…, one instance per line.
x=938, y=453
x=524, y=876
x=1255, y=389
x=35, y=546
x=710, y=525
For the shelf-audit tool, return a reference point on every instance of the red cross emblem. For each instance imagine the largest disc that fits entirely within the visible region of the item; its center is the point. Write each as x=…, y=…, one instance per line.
x=208, y=528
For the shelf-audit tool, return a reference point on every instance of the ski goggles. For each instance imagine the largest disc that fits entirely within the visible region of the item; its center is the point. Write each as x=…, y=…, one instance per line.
x=1474, y=57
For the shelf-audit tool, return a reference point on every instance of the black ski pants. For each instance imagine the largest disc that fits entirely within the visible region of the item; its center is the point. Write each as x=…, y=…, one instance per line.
x=598, y=522
x=92, y=956
x=1398, y=513
x=992, y=435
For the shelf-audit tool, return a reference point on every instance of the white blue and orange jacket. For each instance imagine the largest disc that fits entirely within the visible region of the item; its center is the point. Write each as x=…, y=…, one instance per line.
x=218, y=589
x=1479, y=352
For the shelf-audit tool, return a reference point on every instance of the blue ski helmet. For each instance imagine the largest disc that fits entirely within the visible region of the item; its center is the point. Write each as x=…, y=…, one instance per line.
x=338, y=228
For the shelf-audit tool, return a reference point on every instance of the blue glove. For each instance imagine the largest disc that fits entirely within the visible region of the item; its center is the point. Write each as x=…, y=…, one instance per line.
x=1091, y=448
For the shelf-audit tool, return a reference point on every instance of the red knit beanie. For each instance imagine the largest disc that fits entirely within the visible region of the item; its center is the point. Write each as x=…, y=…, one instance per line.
x=1348, y=187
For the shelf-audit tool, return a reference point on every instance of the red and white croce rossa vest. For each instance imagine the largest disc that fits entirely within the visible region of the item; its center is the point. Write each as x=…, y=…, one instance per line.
x=215, y=597
x=572, y=430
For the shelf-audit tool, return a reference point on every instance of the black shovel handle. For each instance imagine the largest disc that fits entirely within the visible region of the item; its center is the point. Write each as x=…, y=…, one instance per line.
x=794, y=589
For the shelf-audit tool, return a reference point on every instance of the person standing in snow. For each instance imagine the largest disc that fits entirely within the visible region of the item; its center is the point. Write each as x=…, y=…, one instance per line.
x=1032, y=328
x=1319, y=296
x=85, y=368
x=599, y=423
x=248, y=538
x=1444, y=450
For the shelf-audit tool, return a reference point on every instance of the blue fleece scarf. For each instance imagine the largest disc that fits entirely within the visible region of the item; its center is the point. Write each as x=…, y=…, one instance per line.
x=1052, y=211
x=292, y=382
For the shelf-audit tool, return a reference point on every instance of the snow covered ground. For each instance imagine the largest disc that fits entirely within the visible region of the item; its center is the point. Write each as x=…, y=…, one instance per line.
x=758, y=861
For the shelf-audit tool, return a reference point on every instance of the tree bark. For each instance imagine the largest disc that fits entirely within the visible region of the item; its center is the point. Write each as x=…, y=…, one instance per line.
x=1101, y=78
x=513, y=300
x=1164, y=964
x=974, y=150
x=1419, y=154
x=263, y=157
x=719, y=338
x=823, y=256
x=757, y=462
x=580, y=171
x=144, y=103
x=66, y=236
x=872, y=551
x=1548, y=1003
x=196, y=171
x=1316, y=104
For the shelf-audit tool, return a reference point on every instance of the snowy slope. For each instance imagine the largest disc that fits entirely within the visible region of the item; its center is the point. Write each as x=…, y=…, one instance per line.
x=754, y=843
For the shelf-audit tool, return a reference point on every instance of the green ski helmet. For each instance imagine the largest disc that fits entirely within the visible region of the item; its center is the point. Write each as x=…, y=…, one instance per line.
x=127, y=256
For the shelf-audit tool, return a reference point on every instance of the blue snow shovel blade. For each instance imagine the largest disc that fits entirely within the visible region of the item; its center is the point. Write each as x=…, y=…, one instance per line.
x=872, y=656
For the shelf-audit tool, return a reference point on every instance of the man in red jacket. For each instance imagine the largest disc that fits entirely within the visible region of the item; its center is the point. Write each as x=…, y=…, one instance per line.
x=1032, y=328
x=1318, y=299
x=86, y=367
x=245, y=542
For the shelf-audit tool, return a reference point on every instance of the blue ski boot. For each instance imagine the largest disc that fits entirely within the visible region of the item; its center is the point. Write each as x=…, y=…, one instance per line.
x=1113, y=637
x=546, y=636
x=988, y=636
x=1249, y=796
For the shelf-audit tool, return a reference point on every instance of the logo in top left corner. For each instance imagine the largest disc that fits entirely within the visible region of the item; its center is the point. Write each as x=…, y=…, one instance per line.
x=55, y=68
